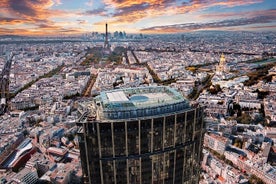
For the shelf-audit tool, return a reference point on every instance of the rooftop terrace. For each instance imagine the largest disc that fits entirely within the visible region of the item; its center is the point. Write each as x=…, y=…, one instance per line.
x=138, y=102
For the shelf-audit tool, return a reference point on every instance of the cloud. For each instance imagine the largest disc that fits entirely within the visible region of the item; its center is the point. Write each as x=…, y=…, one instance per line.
x=11, y=21
x=232, y=3
x=126, y=11
x=47, y=26
x=25, y=8
x=30, y=11
x=98, y=11
x=5, y=31
x=271, y=12
x=211, y=25
x=197, y=5
x=82, y=22
x=57, y=28
x=33, y=13
x=132, y=13
x=128, y=3
x=40, y=13
x=89, y=3
x=44, y=30
x=129, y=11
x=269, y=27
x=58, y=2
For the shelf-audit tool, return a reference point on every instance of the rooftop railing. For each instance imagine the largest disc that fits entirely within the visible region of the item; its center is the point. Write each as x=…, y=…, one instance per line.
x=142, y=112
x=175, y=97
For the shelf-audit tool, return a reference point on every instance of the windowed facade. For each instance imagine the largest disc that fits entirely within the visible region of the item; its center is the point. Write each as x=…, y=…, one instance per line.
x=148, y=150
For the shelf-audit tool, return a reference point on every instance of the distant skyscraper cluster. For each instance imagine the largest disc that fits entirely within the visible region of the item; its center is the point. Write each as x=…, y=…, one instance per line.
x=117, y=35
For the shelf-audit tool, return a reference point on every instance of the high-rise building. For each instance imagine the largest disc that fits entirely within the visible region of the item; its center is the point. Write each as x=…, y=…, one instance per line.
x=140, y=135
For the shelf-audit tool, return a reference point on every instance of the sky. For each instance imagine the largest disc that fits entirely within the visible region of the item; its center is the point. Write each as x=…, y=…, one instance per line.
x=65, y=17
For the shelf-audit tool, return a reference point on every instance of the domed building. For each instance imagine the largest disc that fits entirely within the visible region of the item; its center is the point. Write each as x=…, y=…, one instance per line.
x=222, y=67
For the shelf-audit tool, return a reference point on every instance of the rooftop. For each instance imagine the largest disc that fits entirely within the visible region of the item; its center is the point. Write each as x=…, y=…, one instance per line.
x=139, y=97
x=138, y=102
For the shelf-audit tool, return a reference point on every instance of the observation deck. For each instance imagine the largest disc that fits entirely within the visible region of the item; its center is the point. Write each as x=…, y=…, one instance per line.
x=133, y=103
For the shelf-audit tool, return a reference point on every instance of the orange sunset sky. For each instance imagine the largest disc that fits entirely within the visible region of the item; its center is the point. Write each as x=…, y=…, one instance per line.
x=63, y=17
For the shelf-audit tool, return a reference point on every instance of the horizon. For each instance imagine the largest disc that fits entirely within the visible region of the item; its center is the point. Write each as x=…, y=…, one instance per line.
x=133, y=34
x=67, y=18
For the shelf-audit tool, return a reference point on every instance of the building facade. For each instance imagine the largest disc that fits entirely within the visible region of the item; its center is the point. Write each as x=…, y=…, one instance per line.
x=216, y=142
x=140, y=136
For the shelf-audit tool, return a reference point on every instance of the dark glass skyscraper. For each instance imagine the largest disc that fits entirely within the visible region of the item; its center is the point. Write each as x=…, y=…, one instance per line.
x=140, y=136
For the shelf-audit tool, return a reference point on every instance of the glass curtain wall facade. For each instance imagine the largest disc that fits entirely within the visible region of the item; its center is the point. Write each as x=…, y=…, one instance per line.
x=147, y=150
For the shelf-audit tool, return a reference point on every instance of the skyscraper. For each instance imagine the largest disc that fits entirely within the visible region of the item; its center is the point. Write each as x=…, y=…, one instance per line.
x=140, y=135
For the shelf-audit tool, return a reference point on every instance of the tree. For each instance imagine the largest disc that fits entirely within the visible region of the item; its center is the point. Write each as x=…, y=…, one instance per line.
x=238, y=143
x=215, y=89
x=244, y=119
x=255, y=180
